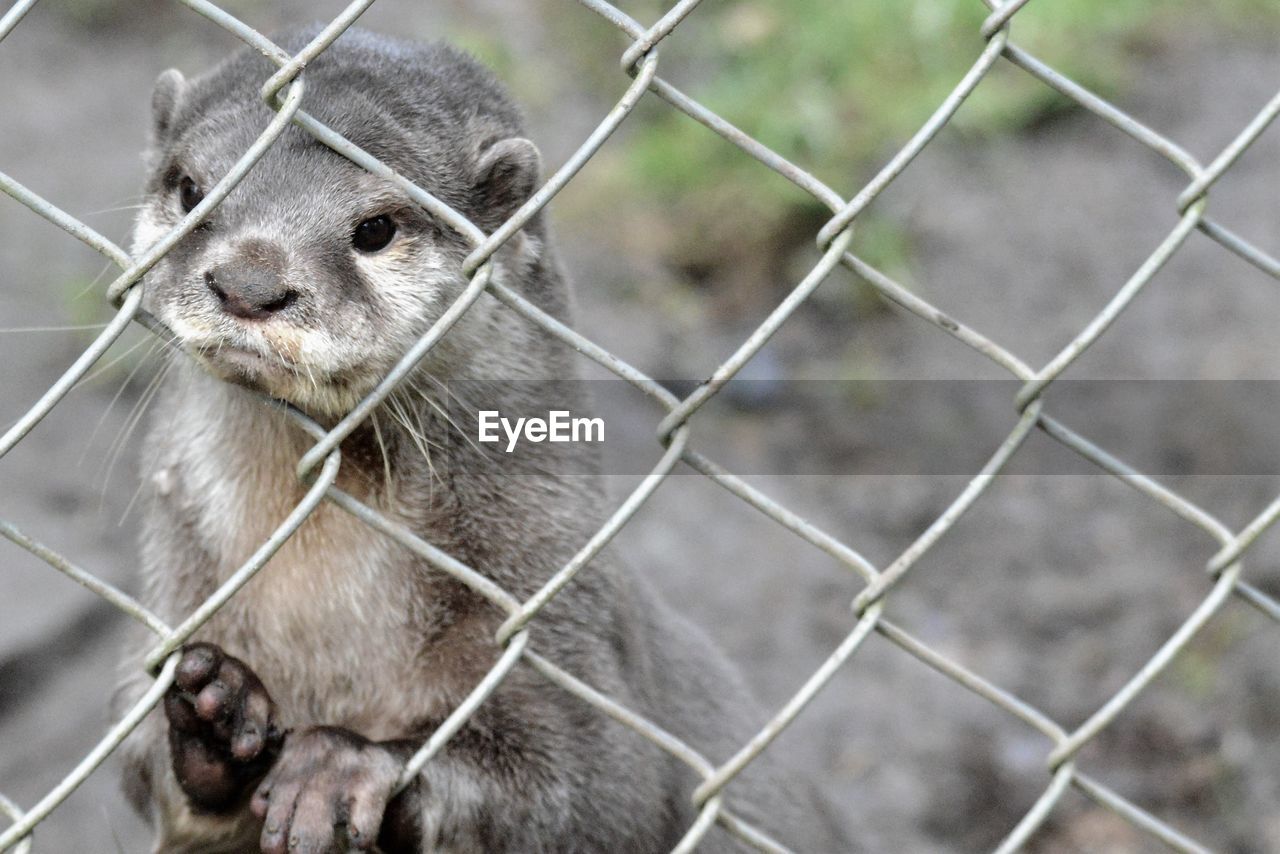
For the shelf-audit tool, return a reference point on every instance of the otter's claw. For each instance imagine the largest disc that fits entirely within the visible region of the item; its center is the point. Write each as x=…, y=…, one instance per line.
x=222, y=732
x=332, y=790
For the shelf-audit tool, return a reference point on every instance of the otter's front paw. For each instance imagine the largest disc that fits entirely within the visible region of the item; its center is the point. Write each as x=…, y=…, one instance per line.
x=332, y=789
x=222, y=733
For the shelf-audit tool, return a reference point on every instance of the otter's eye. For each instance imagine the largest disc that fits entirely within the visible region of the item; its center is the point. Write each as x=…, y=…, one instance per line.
x=373, y=234
x=189, y=194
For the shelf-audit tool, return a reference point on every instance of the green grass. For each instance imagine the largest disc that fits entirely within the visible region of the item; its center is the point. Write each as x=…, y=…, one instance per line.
x=836, y=87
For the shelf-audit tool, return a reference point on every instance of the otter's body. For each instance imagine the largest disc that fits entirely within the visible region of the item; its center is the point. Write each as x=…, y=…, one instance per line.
x=347, y=650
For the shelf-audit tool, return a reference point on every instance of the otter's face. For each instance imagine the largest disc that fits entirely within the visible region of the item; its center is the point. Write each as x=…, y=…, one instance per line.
x=306, y=287
x=313, y=276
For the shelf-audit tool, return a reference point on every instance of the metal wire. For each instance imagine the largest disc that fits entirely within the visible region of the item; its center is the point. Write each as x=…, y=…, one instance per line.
x=284, y=92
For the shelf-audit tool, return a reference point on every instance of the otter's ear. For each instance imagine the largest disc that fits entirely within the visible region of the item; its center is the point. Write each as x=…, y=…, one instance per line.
x=507, y=175
x=165, y=101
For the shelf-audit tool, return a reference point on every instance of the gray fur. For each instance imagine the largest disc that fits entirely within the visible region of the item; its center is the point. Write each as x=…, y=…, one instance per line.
x=344, y=628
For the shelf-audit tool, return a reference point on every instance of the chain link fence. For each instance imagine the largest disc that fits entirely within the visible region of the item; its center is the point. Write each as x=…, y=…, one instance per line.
x=285, y=93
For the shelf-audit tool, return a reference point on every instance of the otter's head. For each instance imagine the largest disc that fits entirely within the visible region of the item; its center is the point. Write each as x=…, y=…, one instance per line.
x=313, y=277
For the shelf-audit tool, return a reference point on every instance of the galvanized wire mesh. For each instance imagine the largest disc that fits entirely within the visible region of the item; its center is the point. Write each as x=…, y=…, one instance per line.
x=284, y=92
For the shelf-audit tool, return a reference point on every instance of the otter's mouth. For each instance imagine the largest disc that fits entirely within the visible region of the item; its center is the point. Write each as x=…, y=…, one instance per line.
x=317, y=391
x=231, y=361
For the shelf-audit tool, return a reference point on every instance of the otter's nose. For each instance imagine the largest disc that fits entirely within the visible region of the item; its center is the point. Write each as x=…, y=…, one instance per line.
x=248, y=290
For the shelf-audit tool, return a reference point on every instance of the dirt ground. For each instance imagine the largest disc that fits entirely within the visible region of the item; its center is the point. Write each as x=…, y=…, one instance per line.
x=1057, y=586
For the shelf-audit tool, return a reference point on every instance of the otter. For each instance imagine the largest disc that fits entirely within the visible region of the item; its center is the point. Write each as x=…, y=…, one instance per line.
x=296, y=707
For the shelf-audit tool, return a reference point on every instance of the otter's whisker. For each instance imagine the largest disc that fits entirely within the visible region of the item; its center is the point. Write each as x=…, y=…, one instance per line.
x=386, y=461
x=114, y=210
x=96, y=279
x=135, y=413
x=138, y=490
x=135, y=416
x=315, y=386
x=111, y=825
x=102, y=369
x=78, y=327
x=420, y=441
x=435, y=404
x=116, y=398
x=422, y=431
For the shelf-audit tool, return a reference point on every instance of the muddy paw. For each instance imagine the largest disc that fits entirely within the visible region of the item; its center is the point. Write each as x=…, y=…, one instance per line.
x=222, y=733
x=332, y=790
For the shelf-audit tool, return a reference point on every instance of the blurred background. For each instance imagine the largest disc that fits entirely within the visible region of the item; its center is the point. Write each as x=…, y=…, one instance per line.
x=1021, y=220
